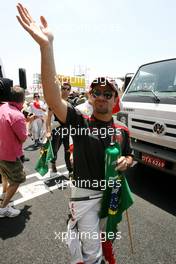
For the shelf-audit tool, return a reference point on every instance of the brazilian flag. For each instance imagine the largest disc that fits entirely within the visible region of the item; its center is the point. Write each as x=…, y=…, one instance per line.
x=125, y=200
x=119, y=193
x=46, y=155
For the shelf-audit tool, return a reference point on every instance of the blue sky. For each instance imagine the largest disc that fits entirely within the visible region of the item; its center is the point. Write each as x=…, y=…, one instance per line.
x=102, y=36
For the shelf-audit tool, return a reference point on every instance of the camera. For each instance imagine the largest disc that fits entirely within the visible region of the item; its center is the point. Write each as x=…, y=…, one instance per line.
x=26, y=113
x=5, y=89
x=6, y=84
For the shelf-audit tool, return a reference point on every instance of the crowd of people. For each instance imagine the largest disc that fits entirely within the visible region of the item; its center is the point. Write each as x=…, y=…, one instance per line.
x=63, y=110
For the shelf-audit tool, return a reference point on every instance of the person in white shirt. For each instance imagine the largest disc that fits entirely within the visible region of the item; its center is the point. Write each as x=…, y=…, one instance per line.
x=86, y=107
x=38, y=108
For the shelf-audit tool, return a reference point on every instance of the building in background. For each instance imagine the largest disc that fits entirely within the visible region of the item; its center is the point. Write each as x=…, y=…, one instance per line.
x=36, y=86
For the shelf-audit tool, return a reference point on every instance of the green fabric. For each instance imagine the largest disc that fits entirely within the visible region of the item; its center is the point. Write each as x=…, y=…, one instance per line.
x=46, y=155
x=125, y=199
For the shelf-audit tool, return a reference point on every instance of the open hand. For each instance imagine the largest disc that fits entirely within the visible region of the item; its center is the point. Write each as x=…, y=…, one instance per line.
x=40, y=34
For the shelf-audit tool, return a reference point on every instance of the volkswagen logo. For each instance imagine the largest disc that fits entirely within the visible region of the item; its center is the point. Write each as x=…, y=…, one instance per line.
x=159, y=128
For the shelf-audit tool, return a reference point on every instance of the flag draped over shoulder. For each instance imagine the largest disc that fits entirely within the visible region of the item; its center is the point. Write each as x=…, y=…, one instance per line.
x=46, y=155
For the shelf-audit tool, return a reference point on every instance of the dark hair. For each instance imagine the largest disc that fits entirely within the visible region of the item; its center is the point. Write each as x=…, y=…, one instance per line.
x=36, y=94
x=17, y=94
x=66, y=83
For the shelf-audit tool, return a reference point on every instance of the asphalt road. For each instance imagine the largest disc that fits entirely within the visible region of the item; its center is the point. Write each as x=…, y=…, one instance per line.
x=32, y=237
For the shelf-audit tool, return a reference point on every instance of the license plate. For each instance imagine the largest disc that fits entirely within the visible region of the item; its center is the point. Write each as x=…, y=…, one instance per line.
x=154, y=161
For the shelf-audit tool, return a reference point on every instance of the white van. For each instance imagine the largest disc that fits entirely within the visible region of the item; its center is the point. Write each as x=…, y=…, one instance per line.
x=148, y=108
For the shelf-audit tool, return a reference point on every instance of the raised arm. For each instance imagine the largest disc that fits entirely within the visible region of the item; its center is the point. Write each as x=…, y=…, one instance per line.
x=44, y=38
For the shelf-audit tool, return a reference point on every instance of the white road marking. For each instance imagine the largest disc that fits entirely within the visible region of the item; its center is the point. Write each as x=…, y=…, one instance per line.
x=37, y=188
x=36, y=174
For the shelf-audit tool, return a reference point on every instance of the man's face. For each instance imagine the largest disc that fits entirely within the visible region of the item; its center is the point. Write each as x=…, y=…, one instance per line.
x=36, y=97
x=103, y=99
x=65, y=91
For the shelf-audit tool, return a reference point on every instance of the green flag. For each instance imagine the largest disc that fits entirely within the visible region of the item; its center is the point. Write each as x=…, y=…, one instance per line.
x=118, y=198
x=125, y=201
x=46, y=155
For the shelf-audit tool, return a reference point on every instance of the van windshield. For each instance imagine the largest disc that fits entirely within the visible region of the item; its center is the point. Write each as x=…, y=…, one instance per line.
x=152, y=81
